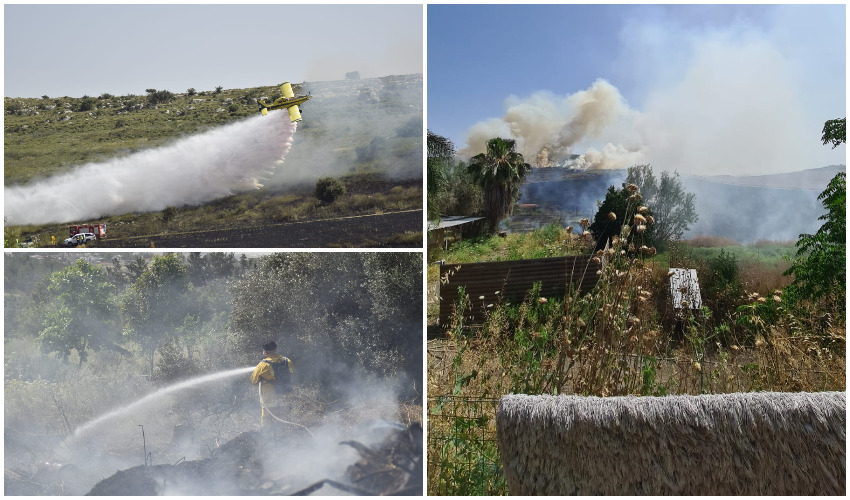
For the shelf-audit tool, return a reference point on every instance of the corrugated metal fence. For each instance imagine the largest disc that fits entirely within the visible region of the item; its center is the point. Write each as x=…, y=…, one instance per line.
x=510, y=281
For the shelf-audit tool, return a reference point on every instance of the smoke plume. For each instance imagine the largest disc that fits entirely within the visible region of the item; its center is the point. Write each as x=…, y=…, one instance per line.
x=200, y=168
x=547, y=127
x=743, y=97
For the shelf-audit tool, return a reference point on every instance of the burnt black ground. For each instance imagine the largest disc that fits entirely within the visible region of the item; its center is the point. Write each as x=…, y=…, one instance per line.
x=364, y=231
x=392, y=466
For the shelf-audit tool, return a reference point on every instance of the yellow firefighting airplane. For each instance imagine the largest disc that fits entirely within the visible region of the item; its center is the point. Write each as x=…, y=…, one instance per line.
x=288, y=101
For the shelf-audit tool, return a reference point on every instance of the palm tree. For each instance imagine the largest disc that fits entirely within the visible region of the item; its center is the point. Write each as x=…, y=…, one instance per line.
x=500, y=172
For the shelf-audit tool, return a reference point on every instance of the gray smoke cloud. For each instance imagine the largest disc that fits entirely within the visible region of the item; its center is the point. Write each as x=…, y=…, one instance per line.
x=738, y=99
x=350, y=123
x=226, y=160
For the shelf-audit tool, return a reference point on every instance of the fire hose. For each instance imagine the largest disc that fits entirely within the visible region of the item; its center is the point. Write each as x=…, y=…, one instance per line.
x=263, y=404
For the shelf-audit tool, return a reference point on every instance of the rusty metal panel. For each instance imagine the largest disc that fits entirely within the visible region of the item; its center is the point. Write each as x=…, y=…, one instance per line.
x=489, y=283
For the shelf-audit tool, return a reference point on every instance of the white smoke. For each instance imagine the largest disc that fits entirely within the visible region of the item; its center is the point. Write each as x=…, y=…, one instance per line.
x=736, y=99
x=197, y=169
x=556, y=123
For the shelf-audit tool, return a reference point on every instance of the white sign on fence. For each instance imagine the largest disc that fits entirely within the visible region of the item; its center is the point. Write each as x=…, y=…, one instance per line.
x=684, y=288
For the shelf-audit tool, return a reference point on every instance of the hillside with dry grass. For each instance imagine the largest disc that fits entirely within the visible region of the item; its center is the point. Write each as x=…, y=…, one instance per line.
x=366, y=135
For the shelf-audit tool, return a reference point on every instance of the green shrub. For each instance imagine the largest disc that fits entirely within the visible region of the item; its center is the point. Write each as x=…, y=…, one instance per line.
x=329, y=189
x=159, y=96
x=169, y=213
x=13, y=107
x=413, y=128
x=87, y=104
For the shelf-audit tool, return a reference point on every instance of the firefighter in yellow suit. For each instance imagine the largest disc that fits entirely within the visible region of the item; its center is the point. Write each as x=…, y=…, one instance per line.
x=274, y=385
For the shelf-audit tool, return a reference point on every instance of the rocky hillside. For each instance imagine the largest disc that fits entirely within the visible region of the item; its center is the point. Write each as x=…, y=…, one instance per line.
x=50, y=135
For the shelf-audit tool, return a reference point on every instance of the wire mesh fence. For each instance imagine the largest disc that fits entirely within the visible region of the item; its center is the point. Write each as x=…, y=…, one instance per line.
x=463, y=455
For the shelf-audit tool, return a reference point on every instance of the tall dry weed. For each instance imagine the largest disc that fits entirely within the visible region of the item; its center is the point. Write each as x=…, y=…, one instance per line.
x=620, y=339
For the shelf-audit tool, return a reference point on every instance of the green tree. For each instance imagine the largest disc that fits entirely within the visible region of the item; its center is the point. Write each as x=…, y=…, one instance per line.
x=500, y=172
x=115, y=273
x=620, y=207
x=155, y=304
x=160, y=97
x=820, y=266
x=835, y=132
x=441, y=153
x=79, y=311
x=451, y=188
x=135, y=268
x=672, y=206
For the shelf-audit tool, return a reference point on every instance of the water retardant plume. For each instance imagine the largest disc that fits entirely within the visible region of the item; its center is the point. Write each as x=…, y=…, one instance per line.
x=222, y=161
x=763, y=443
x=136, y=405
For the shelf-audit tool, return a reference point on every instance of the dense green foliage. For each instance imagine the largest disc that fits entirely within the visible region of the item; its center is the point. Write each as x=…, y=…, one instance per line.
x=333, y=313
x=77, y=305
x=153, y=306
x=820, y=269
x=451, y=187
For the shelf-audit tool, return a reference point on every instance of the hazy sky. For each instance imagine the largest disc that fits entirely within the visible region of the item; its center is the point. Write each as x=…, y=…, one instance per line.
x=76, y=50
x=699, y=89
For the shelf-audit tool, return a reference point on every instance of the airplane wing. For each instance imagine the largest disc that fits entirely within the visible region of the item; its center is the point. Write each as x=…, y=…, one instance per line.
x=294, y=114
x=286, y=90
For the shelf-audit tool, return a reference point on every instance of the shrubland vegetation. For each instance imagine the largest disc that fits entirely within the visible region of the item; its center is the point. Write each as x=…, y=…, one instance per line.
x=770, y=320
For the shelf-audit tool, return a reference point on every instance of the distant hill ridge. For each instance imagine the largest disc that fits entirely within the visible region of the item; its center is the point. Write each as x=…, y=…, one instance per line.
x=814, y=179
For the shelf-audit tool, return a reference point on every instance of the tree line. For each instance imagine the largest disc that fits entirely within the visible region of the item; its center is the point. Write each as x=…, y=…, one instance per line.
x=193, y=313
x=488, y=185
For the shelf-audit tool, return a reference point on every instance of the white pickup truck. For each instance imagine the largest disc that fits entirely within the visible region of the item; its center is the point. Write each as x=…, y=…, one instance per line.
x=79, y=238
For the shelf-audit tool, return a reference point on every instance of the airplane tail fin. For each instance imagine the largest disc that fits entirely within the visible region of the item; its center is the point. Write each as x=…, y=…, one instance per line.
x=263, y=110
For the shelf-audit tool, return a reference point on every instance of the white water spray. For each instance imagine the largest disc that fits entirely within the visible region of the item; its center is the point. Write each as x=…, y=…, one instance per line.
x=200, y=168
x=156, y=395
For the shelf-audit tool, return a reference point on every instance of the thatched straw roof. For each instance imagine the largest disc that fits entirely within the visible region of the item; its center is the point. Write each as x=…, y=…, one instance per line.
x=725, y=444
